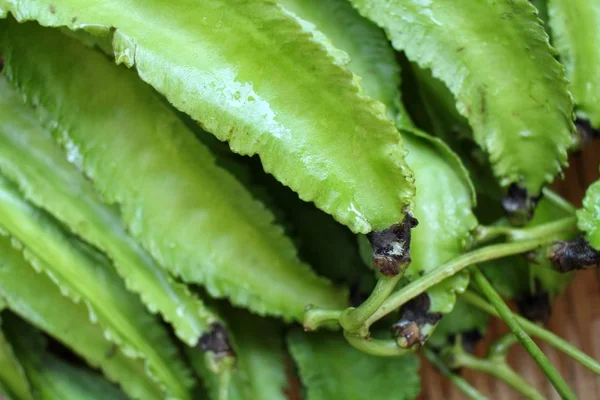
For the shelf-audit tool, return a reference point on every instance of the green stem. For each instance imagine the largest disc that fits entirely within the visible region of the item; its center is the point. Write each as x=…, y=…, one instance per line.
x=448, y=269
x=316, y=317
x=559, y=201
x=224, y=383
x=506, y=314
x=548, y=230
x=498, y=350
x=499, y=370
x=486, y=233
x=353, y=319
x=539, y=332
x=376, y=347
x=458, y=381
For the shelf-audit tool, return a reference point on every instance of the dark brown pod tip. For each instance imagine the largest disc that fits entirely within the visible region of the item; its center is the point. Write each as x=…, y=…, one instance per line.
x=519, y=205
x=469, y=339
x=574, y=255
x=391, y=247
x=216, y=341
x=537, y=306
x=1, y=63
x=415, y=318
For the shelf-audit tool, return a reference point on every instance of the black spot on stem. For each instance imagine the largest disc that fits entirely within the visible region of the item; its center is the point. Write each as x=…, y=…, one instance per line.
x=216, y=341
x=391, y=247
x=574, y=255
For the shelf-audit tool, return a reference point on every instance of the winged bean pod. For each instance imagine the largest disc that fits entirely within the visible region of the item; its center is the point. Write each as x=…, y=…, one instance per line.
x=38, y=300
x=193, y=217
x=228, y=63
x=496, y=59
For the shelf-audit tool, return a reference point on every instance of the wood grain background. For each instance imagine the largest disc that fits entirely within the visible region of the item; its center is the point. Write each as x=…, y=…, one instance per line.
x=575, y=317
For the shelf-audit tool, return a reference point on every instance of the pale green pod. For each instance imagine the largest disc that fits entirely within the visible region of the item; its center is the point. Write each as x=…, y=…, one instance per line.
x=52, y=378
x=31, y=159
x=361, y=45
x=192, y=216
x=38, y=300
x=229, y=64
x=496, y=59
x=588, y=217
x=12, y=375
x=575, y=27
x=86, y=276
x=445, y=196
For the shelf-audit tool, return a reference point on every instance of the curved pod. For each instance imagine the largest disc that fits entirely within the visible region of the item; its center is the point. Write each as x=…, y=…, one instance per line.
x=86, y=276
x=575, y=28
x=495, y=58
x=192, y=216
x=30, y=158
x=228, y=63
x=38, y=300
x=445, y=196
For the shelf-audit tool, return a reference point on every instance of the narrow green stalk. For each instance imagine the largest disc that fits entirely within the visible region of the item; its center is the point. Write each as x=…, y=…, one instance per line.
x=498, y=350
x=224, y=383
x=458, y=381
x=316, y=317
x=353, y=319
x=506, y=314
x=376, y=347
x=499, y=370
x=446, y=270
x=548, y=230
x=559, y=201
x=486, y=233
x=539, y=332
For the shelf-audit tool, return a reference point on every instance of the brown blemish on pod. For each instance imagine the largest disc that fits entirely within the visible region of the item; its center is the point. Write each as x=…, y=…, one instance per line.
x=216, y=341
x=415, y=321
x=391, y=247
x=574, y=255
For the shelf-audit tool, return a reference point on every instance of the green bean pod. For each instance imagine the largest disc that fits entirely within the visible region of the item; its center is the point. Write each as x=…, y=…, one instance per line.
x=445, y=196
x=52, y=378
x=38, y=300
x=13, y=381
x=228, y=64
x=30, y=158
x=589, y=215
x=193, y=217
x=496, y=59
x=575, y=26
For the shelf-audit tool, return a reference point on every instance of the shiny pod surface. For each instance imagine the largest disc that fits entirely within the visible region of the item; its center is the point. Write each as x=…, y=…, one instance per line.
x=192, y=216
x=41, y=303
x=251, y=75
x=575, y=26
x=496, y=59
x=589, y=215
x=30, y=158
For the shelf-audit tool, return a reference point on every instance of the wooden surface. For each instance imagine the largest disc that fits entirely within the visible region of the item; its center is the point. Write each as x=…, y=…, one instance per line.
x=575, y=317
